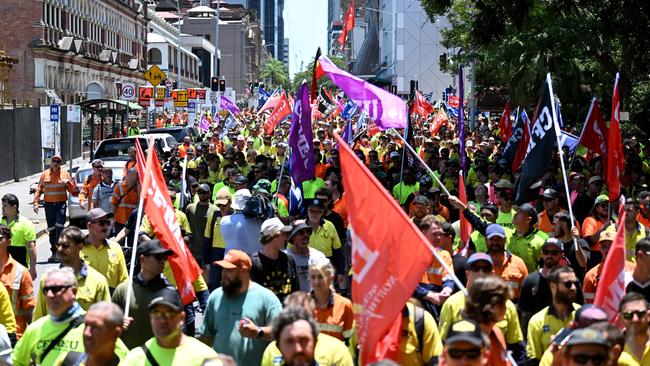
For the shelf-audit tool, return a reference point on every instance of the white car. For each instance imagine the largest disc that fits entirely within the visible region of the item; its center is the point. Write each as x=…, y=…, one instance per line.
x=118, y=148
x=77, y=214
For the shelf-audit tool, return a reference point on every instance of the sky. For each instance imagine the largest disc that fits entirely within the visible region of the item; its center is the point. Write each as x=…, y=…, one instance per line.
x=305, y=24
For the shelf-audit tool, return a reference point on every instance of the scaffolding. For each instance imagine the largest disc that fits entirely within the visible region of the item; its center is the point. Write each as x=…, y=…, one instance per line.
x=6, y=64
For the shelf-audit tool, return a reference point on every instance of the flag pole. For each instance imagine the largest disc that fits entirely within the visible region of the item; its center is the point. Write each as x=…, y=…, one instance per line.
x=134, y=246
x=417, y=156
x=183, y=185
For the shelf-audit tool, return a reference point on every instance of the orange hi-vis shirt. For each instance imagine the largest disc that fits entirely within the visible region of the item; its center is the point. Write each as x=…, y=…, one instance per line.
x=87, y=189
x=53, y=185
x=589, y=227
x=545, y=222
x=182, y=149
x=125, y=200
x=645, y=221
x=436, y=274
x=337, y=318
x=128, y=165
x=590, y=283
x=513, y=270
x=18, y=282
x=341, y=208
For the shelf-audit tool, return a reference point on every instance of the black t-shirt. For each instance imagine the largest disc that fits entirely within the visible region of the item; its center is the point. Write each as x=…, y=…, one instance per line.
x=582, y=206
x=337, y=221
x=535, y=293
x=643, y=289
x=570, y=255
x=279, y=276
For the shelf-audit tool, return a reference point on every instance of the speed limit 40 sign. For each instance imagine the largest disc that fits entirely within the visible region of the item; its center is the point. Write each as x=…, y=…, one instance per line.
x=128, y=91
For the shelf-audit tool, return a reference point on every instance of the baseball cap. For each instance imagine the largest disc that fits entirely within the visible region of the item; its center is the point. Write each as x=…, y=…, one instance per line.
x=607, y=235
x=299, y=225
x=153, y=246
x=495, y=230
x=223, y=196
x=241, y=179
x=422, y=199
x=553, y=242
x=316, y=203
x=465, y=331
x=477, y=257
x=394, y=154
x=503, y=184
x=235, y=259
x=263, y=186
x=589, y=314
x=586, y=336
x=595, y=179
x=550, y=193
x=97, y=213
x=529, y=210
x=272, y=225
x=96, y=162
x=601, y=198
x=240, y=199
x=167, y=296
x=204, y=188
x=57, y=157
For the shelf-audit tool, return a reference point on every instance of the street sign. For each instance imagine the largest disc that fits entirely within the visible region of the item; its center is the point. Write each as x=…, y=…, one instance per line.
x=160, y=92
x=74, y=114
x=54, y=113
x=154, y=75
x=181, y=98
x=128, y=91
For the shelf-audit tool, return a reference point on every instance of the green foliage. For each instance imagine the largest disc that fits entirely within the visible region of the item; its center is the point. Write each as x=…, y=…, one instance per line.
x=306, y=74
x=582, y=43
x=275, y=73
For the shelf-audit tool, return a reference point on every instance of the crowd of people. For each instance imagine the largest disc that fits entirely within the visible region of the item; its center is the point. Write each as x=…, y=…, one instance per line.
x=276, y=283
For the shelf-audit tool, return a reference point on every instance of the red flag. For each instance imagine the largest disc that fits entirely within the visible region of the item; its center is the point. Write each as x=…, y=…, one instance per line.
x=281, y=110
x=421, y=106
x=453, y=101
x=347, y=26
x=158, y=208
x=611, y=286
x=373, y=129
x=440, y=119
x=140, y=160
x=389, y=256
x=594, y=132
x=316, y=73
x=522, y=148
x=505, y=127
x=465, y=226
x=270, y=103
x=615, y=157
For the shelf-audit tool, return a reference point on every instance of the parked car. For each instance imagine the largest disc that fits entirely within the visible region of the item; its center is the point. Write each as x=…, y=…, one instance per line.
x=77, y=214
x=118, y=148
x=178, y=132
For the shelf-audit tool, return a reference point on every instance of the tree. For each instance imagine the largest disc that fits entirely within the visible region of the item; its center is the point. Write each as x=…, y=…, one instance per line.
x=583, y=44
x=275, y=73
x=307, y=73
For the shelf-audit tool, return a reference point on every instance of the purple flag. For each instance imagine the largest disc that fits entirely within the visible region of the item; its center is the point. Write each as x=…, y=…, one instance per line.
x=461, y=120
x=385, y=109
x=302, y=162
x=226, y=103
x=204, y=124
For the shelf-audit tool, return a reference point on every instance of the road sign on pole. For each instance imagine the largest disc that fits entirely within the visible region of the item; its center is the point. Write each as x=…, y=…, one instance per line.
x=74, y=113
x=154, y=75
x=128, y=91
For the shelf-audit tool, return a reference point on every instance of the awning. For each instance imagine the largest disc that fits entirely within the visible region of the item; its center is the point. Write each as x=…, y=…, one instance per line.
x=132, y=106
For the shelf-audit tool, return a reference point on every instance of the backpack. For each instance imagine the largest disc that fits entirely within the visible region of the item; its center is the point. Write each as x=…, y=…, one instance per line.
x=258, y=207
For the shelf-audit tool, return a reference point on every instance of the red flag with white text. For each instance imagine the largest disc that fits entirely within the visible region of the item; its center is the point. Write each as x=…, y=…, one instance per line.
x=281, y=110
x=389, y=256
x=611, y=285
x=348, y=25
x=438, y=121
x=615, y=157
x=161, y=214
x=594, y=131
x=421, y=106
x=505, y=127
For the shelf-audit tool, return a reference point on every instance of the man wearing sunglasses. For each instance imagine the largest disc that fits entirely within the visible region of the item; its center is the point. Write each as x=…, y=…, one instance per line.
x=91, y=285
x=586, y=347
x=479, y=265
x=465, y=346
x=564, y=286
x=152, y=257
x=634, y=315
x=103, y=255
x=53, y=184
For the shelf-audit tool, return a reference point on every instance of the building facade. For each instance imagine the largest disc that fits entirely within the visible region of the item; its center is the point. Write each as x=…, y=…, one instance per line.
x=71, y=51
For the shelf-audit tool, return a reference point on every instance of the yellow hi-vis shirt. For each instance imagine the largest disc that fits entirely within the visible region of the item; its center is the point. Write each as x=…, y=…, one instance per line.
x=191, y=352
x=541, y=329
x=325, y=239
x=7, y=317
x=198, y=284
x=214, y=231
x=454, y=305
x=408, y=345
x=328, y=351
x=108, y=260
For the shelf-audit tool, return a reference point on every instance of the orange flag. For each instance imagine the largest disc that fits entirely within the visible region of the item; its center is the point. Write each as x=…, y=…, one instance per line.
x=160, y=211
x=281, y=110
x=389, y=256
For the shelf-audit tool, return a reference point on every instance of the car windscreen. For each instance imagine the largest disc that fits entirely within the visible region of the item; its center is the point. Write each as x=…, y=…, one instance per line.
x=177, y=133
x=81, y=175
x=117, y=148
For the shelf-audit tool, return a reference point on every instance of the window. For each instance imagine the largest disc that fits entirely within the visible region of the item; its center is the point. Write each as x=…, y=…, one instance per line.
x=155, y=56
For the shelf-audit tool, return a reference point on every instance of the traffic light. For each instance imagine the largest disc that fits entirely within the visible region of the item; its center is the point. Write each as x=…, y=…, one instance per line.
x=214, y=85
x=222, y=85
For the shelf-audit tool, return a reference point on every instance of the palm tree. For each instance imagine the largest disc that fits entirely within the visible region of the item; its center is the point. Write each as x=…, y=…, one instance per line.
x=275, y=72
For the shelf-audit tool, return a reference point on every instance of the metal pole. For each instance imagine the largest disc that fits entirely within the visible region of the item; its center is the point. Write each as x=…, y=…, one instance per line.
x=178, y=8
x=472, y=91
x=216, y=42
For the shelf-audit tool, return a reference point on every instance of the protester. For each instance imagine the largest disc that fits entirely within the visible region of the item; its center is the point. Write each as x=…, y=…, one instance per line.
x=17, y=281
x=333, y=312
x=22, y=247
x=302, y=253
x=466, y=345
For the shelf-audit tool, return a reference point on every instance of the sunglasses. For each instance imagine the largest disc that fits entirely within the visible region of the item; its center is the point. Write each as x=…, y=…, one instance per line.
x=159, y=257
x=102, y=222
x=570, y=284
x=167, y=315
x=484, y=269
x=63, y=246
x=56, y=161
x=551, y=252
x=629, y=315
x=583, y=359
x=468, y=354
x=56, y=290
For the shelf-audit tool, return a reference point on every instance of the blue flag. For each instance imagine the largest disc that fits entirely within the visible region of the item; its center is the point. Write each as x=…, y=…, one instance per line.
x=346, y=135
x=349, y=110
x=264, y=95
x=570, y=141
